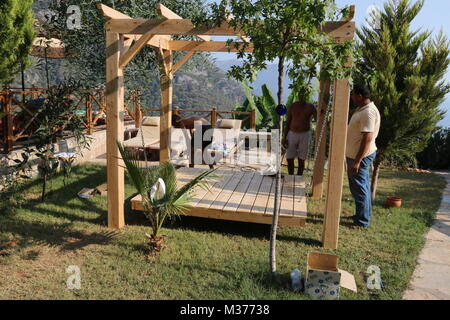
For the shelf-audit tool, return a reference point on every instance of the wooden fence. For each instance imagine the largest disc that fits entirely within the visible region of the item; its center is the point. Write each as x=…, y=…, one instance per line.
x=14, y=102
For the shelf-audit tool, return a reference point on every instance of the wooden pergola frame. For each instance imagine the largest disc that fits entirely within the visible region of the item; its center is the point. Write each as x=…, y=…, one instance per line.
x=125, y=37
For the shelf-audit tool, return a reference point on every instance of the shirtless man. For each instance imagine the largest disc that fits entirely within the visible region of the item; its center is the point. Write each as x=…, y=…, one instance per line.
x=297, y=134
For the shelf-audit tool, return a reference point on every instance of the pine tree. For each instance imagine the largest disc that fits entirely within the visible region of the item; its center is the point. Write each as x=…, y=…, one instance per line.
x=16, y=37
x=404, y=70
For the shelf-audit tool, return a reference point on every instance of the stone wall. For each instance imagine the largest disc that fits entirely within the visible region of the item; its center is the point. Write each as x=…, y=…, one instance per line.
x=96, y=151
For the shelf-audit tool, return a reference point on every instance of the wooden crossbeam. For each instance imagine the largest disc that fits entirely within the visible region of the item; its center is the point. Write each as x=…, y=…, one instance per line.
x=203, y=46
x=165, y=12
x=351, y=15
x=137, y=46
x=110, y=13
x=182, y=61
x=338, y=29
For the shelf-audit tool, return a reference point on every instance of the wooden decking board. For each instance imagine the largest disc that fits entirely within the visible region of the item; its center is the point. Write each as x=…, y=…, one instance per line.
x=271, y=201
x=263, y=195
x=235, y=200
x=227, y=191
x=200, y=193
x=299, y=197
x=247, y=201
x=287, y=196
x=244, y=196
x=209, y=198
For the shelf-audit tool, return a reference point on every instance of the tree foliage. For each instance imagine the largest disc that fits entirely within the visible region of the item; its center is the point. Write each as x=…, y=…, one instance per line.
x=85, y=47
x=437, y=153
x=282, y=31
x=17, y=35
x=405, y=71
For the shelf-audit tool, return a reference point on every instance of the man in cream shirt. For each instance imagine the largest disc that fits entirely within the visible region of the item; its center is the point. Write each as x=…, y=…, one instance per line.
x=361, y=151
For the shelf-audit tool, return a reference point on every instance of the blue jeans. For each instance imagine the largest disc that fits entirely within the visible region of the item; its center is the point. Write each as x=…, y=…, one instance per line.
x=360, y=188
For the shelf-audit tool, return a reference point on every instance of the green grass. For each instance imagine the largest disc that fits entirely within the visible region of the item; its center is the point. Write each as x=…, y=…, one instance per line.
x=202, y=259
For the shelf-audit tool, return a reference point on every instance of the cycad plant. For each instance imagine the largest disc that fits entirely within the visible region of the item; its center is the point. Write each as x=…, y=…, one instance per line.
x=157, y=185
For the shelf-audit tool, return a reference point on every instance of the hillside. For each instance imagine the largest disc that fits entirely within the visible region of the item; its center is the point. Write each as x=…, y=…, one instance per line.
x=193, y=88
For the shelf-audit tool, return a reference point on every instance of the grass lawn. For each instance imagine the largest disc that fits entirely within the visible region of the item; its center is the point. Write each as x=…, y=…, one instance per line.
x=203, y=259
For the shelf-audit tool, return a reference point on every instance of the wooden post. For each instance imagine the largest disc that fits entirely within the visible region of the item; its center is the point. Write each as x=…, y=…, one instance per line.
x=317, y=185
x=8, y=135
x=166, y=106
x=89, y=113
x=114, y=130
x=137, y=110
x=253, y=120
x=214, y=117
x=336, y=164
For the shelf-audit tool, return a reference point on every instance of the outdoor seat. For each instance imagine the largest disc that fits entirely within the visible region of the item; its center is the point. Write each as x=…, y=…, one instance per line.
x=148, y=132
x=180, y=140
x=225, y=140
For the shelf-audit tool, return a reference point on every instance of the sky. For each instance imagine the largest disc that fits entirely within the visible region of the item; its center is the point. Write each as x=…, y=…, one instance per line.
x=433, y=17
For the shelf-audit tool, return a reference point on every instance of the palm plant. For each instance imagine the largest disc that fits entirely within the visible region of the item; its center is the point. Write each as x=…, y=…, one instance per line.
x=159, y=204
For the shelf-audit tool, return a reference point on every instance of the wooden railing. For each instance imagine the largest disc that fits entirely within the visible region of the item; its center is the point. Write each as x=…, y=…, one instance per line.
x=13, y=101
x=93, y=102
x=213, y=115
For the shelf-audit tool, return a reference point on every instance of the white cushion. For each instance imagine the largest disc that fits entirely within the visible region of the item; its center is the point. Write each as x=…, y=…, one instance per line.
x=150, y=121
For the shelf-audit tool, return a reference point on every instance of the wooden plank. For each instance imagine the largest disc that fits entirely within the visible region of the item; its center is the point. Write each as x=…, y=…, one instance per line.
x=221, y=201
x=235, y=200
x=209, y=198
x=287, y=196
x=200, y=193
x=300, y=209
x=114, y=131
x=108, y=12
x=210, y=46
x=241, y=216
x=165, y=12
x=182, y=61
x=166, y=108
x=263, y=195
x=248, y=200
x=134, y=50
x=319, y=163
x=351, y=15
x=271, y=201
x=336, y=165
x=338, y=29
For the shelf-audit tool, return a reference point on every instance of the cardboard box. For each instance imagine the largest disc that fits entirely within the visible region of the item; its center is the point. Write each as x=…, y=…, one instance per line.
x=324, y=279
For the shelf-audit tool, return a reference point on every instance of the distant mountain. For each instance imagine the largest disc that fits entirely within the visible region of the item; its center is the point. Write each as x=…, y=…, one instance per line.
x=269, y=76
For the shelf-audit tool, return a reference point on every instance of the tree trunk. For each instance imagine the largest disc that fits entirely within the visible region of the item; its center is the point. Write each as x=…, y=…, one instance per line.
x=376, y=172
x=276, y=211
x=43, y=187
x=22, y=72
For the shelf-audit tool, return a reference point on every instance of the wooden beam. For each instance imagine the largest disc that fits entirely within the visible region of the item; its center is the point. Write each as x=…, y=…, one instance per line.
x=134, y=50
x=202, y=46
x=317, y=186
x=351, y=14
x=166, y=107
x=165, y=12
x=182, y=61
x=111, y=13
x=336, y=164
x=338, y=29
x=114, y=130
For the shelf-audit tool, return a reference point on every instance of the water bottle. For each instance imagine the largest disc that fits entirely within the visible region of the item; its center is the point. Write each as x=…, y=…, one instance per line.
x=296, y=279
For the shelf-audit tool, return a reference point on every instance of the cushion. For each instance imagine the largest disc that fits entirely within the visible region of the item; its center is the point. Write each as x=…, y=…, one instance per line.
x=150, y=121
x=227, y=124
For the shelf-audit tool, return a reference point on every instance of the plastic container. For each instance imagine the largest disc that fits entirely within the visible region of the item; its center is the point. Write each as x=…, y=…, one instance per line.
x=296, y=279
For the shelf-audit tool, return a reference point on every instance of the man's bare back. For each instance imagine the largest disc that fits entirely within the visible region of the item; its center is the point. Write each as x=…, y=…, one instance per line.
x=299, y=116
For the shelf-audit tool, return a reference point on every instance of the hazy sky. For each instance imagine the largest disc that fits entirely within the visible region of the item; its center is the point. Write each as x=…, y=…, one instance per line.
x=434, y=16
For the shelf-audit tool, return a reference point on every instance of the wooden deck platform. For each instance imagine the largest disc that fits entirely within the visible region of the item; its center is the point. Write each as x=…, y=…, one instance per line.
x=243, y=196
